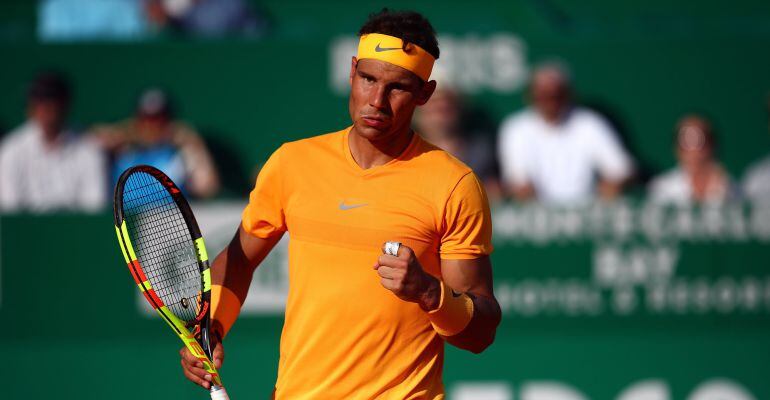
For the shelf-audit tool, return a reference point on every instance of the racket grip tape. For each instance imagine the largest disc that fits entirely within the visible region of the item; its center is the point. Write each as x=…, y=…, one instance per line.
x=218, y=393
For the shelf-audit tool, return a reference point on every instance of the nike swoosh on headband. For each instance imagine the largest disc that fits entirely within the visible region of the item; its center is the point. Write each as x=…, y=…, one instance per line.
x=381, y=49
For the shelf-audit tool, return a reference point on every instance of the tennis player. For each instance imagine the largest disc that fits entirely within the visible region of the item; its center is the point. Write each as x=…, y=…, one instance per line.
x=390, y=239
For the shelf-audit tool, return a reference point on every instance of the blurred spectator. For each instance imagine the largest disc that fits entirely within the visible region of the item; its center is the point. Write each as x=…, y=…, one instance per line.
x=699, y=178
x=756, y=183
x=441, y=122
x=207, y=18
x=153, y=137
x=553, y=150
x=60, y=20
x=45, y=166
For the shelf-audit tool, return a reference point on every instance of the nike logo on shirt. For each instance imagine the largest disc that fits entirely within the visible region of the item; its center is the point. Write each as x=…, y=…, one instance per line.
x=345, y=207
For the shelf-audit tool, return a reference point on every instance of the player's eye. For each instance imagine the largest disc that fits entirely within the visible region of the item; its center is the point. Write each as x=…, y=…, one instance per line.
x=399, y=88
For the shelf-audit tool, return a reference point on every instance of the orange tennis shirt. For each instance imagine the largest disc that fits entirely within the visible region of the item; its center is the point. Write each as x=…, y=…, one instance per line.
x=344, y=335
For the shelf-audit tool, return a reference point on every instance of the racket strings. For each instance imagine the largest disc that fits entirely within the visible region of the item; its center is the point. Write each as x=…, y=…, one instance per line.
x=162, y=244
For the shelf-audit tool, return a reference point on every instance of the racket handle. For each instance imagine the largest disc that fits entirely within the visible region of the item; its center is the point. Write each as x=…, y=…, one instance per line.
x=218, y=393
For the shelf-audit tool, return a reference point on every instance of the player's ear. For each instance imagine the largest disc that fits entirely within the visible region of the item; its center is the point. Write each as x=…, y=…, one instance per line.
x=425, y=92
x=353, y=64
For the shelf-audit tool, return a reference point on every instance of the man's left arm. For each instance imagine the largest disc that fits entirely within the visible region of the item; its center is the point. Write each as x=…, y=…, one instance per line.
x=473, y=278
x=462, y=306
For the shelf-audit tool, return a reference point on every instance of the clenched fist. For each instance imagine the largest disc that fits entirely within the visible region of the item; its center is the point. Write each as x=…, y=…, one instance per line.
x=403, y=275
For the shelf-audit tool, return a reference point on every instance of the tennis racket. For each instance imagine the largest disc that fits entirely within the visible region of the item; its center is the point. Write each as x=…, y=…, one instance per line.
x=165, y=253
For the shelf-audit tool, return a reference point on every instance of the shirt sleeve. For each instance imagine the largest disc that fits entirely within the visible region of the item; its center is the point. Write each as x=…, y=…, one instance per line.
x=611, y=159
x=264, y=215
x=467, y=221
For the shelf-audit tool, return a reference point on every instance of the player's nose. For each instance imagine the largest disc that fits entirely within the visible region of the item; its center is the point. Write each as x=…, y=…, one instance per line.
x=378, y=97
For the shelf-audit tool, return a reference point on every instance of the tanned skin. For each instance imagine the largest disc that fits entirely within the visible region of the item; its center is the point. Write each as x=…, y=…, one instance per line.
x=383, y=98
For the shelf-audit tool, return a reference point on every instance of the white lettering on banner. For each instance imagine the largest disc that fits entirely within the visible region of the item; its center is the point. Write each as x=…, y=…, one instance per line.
x=646, y=390
x=760, y=223
x=653, y=389
x=723, y=295
x=471, y=63
x=635, y=257
x=550, y=297
x=720, y=389
x=638, y=265
x=619, y=221
x=549, y=391
x=693, y=296
x=624, y=300
x=481, y=391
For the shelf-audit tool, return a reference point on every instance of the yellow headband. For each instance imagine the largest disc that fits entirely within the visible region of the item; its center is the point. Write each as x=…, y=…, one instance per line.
x=390, y=49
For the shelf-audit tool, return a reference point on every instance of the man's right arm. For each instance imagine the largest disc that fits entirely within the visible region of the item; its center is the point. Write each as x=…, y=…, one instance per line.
x=232, y=269
x=234, y=266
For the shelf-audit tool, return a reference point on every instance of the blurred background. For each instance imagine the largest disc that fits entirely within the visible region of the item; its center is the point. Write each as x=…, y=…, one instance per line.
x=625, y=147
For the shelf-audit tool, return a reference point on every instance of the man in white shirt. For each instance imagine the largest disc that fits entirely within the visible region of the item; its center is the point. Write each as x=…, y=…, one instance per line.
x=46, y=167
x=556, y=152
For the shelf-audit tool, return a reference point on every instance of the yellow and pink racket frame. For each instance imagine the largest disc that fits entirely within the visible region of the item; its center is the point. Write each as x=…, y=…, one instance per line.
x=203, y=353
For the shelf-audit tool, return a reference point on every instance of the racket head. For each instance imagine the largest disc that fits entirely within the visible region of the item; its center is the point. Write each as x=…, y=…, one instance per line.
x=165, y=253
x=166, y=242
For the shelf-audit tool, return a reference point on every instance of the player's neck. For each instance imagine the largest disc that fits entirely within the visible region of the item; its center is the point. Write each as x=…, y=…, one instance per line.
x=369, y=154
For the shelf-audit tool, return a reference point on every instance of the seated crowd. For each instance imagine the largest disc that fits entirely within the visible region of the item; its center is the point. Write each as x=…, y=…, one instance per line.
x=47, y=165
x=554, y=151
